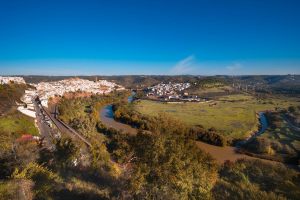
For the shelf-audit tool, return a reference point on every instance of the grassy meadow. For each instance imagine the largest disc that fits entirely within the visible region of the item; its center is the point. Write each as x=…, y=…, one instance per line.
x=12, y=126
x=285, y=135
x=234, y=116
x=211, y=90
x=18, y=123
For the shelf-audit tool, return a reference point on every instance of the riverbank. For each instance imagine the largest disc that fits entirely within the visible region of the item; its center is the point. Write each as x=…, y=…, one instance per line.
x=221, y=154
x=107, y=118
x=261, y=128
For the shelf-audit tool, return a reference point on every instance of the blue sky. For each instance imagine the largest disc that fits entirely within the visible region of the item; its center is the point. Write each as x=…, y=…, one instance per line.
x=117, y=37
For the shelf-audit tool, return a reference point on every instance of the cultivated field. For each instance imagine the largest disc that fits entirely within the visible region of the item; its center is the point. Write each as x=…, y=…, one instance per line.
x=233, y=116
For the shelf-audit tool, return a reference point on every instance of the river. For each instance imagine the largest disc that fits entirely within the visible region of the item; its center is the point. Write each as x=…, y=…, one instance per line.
x=107, y=118
x=263, y=127
x=221, y=154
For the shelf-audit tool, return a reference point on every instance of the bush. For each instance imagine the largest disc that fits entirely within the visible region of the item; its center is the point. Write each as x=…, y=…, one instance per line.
x=45, y=181
x=16, y=189
x=255, y=179
x=209, y=136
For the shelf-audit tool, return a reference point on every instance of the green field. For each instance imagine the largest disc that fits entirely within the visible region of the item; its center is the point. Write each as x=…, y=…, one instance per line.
x=12, y=126
x=210, y=91
x=233, y=116
x=17, y=123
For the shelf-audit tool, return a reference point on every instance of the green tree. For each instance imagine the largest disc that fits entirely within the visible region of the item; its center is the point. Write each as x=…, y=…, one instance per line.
x=255, y=179
x=171, y=166
x=65, y=152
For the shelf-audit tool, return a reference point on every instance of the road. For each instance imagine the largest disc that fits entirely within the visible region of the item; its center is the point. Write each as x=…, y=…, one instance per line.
x=46, y=131
x=49, y=134
x=45, y=117
x=63, y=127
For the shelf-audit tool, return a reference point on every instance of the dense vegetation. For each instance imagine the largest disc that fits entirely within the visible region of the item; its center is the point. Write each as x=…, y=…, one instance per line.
x=254, y=179
x=190, y=173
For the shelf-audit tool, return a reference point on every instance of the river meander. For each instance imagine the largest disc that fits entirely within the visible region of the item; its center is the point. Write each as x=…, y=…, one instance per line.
x=221, y=154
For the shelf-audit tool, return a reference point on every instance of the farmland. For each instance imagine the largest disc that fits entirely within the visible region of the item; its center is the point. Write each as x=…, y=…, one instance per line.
x=234, y=116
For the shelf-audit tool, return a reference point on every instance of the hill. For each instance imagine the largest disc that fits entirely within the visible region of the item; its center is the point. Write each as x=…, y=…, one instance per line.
x=9, y=95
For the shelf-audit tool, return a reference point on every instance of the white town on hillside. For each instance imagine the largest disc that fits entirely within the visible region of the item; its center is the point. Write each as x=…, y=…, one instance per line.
x=45, y=90
x=11, y=79
x=168, y=88
x=170, y=92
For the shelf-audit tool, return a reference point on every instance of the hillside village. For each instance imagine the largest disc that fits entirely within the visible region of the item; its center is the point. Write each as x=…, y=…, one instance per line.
x=11, y=79
x=46, y=90
x=171, y=92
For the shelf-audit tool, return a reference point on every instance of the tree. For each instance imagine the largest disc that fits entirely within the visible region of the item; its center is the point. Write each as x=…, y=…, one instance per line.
x=65, y=152
x=171, y=166
x=255, y=179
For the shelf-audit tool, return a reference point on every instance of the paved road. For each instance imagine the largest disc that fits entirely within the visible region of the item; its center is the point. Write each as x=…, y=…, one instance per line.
x=45, y=130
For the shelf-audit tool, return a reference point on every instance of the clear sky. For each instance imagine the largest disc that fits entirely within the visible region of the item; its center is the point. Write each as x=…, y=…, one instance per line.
x=116, y=37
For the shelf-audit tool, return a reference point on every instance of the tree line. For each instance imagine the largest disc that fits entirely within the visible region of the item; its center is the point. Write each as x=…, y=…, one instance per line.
x=126, y=114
